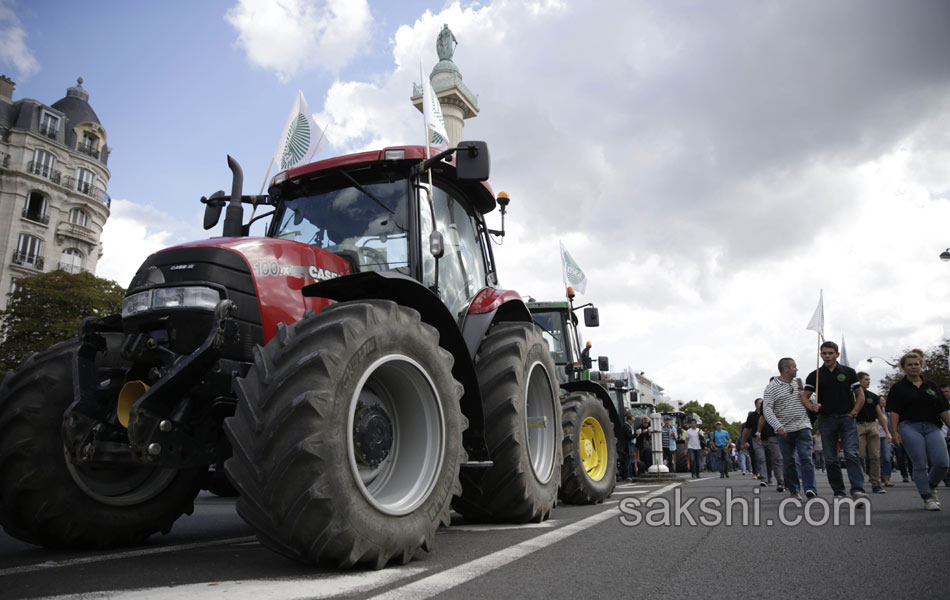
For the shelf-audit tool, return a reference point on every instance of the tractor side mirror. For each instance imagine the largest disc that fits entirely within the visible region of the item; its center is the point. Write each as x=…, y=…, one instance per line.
x=591, y=317
x=213, y=206
x=472, y=161
x=603, y=364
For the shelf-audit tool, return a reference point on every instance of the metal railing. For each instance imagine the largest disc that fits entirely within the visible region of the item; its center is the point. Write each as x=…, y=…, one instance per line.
x=42, y=170
x=89, y=149
x=83, y=187
x=71, y=268
x=28, y=260
x=49, y=130
x=35, y=216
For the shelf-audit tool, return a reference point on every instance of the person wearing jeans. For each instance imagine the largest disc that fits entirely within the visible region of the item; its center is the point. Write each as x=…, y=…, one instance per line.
x=840, y=397
x=783, y=409
x=916, y=409
x=720, y=439
x=694, y=447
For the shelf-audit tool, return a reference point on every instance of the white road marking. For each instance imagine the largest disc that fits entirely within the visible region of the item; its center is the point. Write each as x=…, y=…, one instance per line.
x=262, y=589
x=446, y=580
x=628, y=492
x=55, y=564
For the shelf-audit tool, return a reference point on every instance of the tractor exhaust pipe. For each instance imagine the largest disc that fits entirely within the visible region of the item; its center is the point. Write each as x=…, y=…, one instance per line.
x=234, y=217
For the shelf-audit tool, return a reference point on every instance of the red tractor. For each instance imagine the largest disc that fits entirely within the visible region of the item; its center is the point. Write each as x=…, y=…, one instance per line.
x=360, y=362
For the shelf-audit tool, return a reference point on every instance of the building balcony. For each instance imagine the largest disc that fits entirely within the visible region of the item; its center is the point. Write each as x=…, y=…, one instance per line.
x=48, y=130
x=70, y=268
x=78, y=232
x=32, y=215
x=44, y=171
x=4, y=160
x=89, y=149
x=25, y=259
x=83, y=187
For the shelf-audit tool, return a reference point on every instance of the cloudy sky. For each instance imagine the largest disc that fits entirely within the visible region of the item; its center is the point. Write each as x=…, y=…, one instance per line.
x=711, y=166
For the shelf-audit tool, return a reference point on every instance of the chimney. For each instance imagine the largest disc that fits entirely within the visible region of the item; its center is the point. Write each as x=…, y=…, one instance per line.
x=6, y=87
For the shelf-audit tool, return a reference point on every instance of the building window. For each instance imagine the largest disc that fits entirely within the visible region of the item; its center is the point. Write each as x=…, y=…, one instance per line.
x=36, y=207
x=84, y=180
x=78, y=216
x=89, y=145
x=71, y=261
x=14, y=284
x=43, y=164
x=29, y=251
x=49, y=124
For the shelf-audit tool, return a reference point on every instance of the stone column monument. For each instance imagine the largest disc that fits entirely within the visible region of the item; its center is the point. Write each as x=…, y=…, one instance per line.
x=457, y=101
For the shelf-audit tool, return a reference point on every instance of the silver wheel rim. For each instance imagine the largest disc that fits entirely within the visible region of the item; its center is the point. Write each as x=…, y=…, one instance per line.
x=542, y=430
x=399, y=387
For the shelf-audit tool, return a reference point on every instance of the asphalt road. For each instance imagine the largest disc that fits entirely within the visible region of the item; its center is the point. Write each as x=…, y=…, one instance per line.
x=623, y=548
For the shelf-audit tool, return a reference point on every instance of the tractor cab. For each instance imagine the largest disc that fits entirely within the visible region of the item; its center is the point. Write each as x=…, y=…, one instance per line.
x=558, y=320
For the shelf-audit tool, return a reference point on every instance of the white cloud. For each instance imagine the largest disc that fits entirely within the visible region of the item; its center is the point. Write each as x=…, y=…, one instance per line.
x=14, y=52
x=133, y=232
x=709, y=168
x=296, y=35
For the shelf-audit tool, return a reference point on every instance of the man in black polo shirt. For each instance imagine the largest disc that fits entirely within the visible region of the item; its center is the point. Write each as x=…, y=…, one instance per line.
x=840, y=398
x=869, y=441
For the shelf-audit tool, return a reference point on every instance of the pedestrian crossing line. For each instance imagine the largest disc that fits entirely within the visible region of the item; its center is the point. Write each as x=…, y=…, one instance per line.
x=438, y=583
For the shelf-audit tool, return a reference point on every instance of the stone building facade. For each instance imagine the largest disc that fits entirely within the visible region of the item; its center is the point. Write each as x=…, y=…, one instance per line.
x=53, y=178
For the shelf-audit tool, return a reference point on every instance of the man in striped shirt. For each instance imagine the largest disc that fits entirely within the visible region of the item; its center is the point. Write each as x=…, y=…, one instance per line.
x=783, y=410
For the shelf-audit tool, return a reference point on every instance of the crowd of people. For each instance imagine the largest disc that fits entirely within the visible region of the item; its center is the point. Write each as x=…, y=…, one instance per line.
x=831, y=423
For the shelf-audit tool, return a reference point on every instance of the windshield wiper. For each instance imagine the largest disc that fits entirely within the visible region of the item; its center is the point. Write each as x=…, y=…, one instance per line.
x=358, y=186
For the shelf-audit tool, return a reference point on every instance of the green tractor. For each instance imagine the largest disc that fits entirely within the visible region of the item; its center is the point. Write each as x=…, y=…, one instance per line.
x=591, y=423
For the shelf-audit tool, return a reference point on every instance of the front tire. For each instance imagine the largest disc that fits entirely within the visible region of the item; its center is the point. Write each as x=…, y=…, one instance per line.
x=47, y=500
x=522, y=429
x=347, y=436
x=589, y=472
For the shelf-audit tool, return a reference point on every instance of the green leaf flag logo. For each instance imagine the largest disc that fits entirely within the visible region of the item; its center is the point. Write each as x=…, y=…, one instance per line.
x=297, y=144
x=572, y=273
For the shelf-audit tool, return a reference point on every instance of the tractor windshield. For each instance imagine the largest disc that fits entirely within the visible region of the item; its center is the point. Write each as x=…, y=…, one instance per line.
x=551, y=325
x=365, y=226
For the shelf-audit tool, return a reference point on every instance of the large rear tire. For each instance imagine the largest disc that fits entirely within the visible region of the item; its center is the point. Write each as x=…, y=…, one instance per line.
x=47, y=500
x=522, y=429
x=347, y=436
x=589, y=473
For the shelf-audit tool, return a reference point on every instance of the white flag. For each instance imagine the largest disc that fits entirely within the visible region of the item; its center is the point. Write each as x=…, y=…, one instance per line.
x=432, y=114
x=817, y=322
x=843, y=359
x=572, y=274
x=301, y=138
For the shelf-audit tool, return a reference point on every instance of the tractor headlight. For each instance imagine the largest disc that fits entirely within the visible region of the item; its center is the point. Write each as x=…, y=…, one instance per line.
x=136, y=303
x=185, y=297
x=171, y=297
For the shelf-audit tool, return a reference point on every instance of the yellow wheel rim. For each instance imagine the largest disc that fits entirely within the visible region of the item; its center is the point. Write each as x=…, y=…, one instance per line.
x=593, y=449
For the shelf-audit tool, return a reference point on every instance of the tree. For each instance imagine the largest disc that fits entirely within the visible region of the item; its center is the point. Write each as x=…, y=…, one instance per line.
x=49, y=308
x=708, y=413
x=936, y=366
x=663, y=407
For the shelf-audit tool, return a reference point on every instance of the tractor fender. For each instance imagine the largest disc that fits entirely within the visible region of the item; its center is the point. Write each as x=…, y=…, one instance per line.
x=488, y=307
x=605, y=399
x=404, y=290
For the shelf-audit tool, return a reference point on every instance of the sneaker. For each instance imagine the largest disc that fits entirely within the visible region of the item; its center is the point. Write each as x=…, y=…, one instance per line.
x=840, y=495
x=780, y=488
x=931, y=504
x=878, y=490
x=933, y=494
x=794, y=495
x=859, y=495
x=888, y=484
x=811, y=494
x=904, y=480
x=763, y=484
